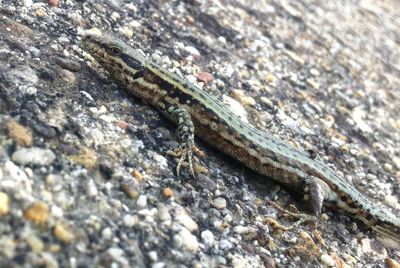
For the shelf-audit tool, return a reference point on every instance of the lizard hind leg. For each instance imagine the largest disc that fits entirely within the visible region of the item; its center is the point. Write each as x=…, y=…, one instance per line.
x=315, y=192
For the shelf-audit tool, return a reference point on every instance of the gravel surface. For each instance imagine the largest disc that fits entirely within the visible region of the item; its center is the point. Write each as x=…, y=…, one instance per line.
x=85, y=180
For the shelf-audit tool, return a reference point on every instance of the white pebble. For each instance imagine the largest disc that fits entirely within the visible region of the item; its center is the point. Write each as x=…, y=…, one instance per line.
x=207, y=237
x=235, y=107
x=225, y=244
x=158, y=265
x=228, y=218
x=14, y=177
x=189, y=241
x=130, y=221
x=192, y=50
x=107, y=233
x=240, y=229
x=327, y=260
x=34, y=156
x=217, y=224
x=163, y=213
x=185, y=220
x=141, y=201
x=115, y=16
x=219, y=203
x=396, y=161
x=177, y=241
x=115, y=253
x=131, y=7
x=153, y=256
x=27, y=3
x=56, y=211
x=91, y=188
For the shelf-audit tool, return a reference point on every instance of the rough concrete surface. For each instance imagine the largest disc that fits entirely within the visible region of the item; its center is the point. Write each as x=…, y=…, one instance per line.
x=85, y=180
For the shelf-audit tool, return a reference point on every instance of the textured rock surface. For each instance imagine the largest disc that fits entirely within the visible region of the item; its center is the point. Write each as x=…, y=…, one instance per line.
x=85, y=180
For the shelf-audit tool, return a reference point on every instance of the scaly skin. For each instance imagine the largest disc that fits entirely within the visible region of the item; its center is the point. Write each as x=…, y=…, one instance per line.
x=199, y=113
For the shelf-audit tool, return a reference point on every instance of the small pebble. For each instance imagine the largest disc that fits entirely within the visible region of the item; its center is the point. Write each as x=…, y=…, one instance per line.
x=85, y=157
x=115, y=16
x=205, y=182
x=68, y=77
x=127, y=31
x=107, y=233
x=396, y=161
x=313, y=83
x=138, y=176
x=219, y=203
x=235, y=107
x=37, y=212
x=27, y=3
x=366, y=245
x=240, y=96
x=240, y=261
x=167, y=192
x=189, y=241
x=56, y=211
x=327, y=260
x=163, y=213
x=177, y=241
x=228, y=218
x=388, y=167
x=153, y=256
x=33, y=156
x=225, y=244
x=131, y=7
x=116, y=253
x=204, y=77
x=68, y=64
x=91, y=188
x=207, y=237
x=184, y=219
x=45, y=130
x=14, y=177
x=158, y=265
x=141, y=201
x=53, y=3
x=392, y=200
x=239, y=229
x=20, y=134
x=192, y=51
x=35, y=243
x=63, y=232
x=324, y=217
x=4, y=204
x=130, y=221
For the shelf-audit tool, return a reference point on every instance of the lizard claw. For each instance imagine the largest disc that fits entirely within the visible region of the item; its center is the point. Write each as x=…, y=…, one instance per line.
x=185, y=152
x=301, y=217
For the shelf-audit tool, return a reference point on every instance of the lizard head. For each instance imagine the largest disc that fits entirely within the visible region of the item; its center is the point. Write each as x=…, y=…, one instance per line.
x=119, y=59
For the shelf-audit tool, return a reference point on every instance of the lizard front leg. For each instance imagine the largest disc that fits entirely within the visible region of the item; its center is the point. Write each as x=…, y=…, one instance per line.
x=185, y=131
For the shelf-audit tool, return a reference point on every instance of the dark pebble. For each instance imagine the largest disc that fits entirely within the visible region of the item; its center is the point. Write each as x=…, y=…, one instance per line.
x=204, y=181
x=46, y=74
x=44, y=130
x=67, y=64
x=106, y=169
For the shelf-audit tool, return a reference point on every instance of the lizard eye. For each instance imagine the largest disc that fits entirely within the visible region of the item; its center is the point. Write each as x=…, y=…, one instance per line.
x=115, y=51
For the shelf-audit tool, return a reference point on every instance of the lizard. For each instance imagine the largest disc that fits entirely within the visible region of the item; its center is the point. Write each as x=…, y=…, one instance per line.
x=198, y=113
